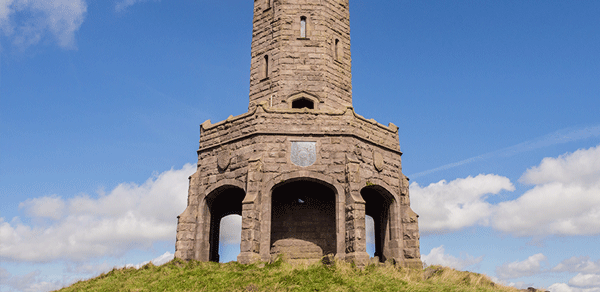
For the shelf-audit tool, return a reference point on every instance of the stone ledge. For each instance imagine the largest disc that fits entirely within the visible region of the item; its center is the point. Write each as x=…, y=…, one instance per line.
x=207, y=125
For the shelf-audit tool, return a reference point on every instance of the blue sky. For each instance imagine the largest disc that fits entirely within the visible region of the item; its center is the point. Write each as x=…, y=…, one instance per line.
x=498, y=104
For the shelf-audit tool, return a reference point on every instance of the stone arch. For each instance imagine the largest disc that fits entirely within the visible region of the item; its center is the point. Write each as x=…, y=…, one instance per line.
x=221, y=201
x=225, y=183
x=381, y=205
x=280, y=191
x=304, y=98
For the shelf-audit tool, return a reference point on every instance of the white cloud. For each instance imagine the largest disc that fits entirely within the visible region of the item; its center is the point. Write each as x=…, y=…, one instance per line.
x=585, y=280
x=45, y=207
x=130, y=216
x=460, y=203
x=564, y=201
x=87, y=268
x=581, y=167
x=578, y=264
x=562, y=287
x=26, y=22
x=5, y=10
x=123, y=4
x=528, y=267
x=437, y=256
x=31, y=282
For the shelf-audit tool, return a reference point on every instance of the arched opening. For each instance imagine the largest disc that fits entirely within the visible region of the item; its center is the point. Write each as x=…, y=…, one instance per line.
x=303, y=221
x=378, y=202
x=230, y=235
x=224, y=201
x=303, y=103
x=303, y=27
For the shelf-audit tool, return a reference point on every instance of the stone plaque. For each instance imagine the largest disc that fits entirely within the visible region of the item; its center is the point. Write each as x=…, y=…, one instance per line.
x=304, y=153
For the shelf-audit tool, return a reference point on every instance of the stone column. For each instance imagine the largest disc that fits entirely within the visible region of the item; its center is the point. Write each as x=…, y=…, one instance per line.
x=250, y=244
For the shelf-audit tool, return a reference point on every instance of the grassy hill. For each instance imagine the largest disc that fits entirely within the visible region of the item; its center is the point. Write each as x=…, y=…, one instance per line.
x=179, y=275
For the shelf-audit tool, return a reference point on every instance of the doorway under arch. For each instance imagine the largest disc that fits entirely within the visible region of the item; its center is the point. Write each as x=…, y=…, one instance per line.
x=224, y=201
x=303, y=220
x=378, y=203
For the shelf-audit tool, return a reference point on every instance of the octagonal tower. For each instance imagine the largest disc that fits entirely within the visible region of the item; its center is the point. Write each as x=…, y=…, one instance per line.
x=301, y=167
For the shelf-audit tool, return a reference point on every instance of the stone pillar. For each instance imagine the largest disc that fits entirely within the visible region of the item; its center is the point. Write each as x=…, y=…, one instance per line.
x=202, y=241
x=410, y=224
x=250, y=244
x=356, y=240
x=186, y=225
x=412, y=254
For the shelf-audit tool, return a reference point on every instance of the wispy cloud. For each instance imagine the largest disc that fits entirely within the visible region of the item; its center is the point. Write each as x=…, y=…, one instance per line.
x=124, y=4
x=558, y=137
x=27, y=22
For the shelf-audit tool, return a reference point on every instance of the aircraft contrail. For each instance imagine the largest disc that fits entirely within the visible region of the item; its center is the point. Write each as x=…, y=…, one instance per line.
x=559, y=137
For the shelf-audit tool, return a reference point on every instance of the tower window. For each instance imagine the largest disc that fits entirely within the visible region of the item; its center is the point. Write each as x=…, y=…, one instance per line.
x=303, y=27
x=303, y=103
x=336, y=50
x=265, y=67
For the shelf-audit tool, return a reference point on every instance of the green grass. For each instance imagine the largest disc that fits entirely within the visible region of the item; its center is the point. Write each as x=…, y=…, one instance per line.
x=179, y=275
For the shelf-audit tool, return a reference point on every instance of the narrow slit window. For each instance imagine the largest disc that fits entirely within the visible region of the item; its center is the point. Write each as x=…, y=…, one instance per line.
x=303, y=27
x=336, y=50
x=265, y=73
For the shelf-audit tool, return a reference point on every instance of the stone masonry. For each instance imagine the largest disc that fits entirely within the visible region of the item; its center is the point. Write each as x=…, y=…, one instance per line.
x=301, y=167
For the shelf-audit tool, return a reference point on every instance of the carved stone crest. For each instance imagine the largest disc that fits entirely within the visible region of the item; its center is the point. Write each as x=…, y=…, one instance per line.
x=303, y=153
x=377, y=160
x=223, y=159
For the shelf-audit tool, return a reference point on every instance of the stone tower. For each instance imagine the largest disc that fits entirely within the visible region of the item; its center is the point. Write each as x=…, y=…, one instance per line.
x=301, y=167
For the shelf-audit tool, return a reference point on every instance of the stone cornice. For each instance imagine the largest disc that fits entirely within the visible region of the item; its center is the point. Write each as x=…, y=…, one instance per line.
x=253, y=127
x=207, y=125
